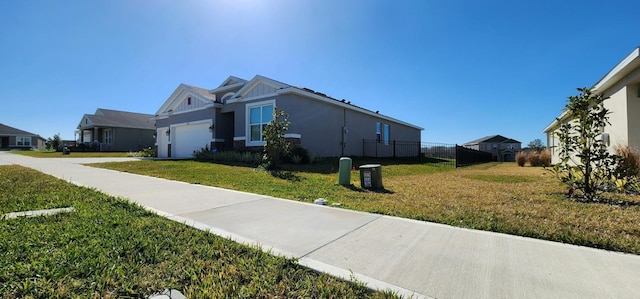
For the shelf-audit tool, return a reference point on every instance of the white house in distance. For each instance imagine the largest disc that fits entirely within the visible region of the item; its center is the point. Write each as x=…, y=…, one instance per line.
x=621, y=87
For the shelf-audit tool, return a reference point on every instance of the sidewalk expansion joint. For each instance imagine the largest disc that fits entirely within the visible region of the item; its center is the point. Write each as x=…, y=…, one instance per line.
x=225, y=206
x=342, y=236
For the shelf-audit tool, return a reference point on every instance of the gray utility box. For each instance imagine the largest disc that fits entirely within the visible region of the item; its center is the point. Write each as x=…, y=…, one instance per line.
x=371, y=176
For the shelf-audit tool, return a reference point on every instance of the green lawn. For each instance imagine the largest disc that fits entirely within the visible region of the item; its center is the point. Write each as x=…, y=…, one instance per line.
x=109, y=248
x=500, y=197
x=52, y=154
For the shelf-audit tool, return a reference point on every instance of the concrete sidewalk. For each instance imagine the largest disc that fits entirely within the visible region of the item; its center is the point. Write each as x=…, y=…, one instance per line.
x=412, y=257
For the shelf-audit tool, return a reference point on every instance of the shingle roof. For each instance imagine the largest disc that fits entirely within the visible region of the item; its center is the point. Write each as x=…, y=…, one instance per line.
x=203, y=92
x=121, y=119
x=7, y=130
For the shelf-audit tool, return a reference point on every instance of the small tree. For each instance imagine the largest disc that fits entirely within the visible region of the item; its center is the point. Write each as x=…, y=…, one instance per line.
x=275, y=145
x=585, y=164
x=54, y=143
x=536, y=145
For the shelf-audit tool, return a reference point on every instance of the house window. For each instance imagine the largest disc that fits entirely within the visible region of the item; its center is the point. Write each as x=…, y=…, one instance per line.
x=495, y=146
x=23, y=141
x=385, y=134
x=259, y=115
x=189, y=101
x=108, y=136
x=378, y=133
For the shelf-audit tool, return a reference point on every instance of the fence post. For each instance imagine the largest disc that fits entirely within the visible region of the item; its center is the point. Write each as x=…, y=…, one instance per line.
x=394, y=149
x=457, y=157
x=376, y=145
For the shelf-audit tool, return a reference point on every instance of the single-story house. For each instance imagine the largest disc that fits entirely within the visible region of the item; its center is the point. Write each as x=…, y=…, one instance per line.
x=12, y=138
x=232, y=117
x=113, y=130
x=621, y=88
x=502, y=149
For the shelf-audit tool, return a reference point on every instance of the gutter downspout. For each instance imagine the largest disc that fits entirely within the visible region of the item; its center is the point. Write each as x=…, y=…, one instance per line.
x=344, y=131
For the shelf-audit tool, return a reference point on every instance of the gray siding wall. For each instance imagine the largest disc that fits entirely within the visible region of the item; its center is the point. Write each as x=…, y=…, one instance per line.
x=186, y=117
x=126, y=139
x=36, y=143
x=259, y=89
x=320, y=125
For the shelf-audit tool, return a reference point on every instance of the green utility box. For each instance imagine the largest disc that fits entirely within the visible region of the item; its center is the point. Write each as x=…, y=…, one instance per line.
x=371, y=176
x=344, y=171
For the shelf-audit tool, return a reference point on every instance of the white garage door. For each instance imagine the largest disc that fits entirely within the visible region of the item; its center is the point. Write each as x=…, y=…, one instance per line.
x=189, y=138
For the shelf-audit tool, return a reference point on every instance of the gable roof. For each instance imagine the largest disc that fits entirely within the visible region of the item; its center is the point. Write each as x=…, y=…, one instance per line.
x=257, y=79
x=276, y=88
x=174, y=99
x=232, y=80
x=283, y=88
x=119, y=119
x=201, y=91
x=492, y=139
x=623, y=68
x=7, y=130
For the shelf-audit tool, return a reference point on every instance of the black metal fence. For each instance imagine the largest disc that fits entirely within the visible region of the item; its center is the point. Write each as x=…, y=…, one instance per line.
x=448, y=154
x=466, y=156
x=391, y=149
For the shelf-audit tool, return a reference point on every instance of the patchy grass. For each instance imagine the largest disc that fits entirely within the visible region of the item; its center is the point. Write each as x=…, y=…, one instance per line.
x=52, y=154
x=110, y=248
x=500, y=197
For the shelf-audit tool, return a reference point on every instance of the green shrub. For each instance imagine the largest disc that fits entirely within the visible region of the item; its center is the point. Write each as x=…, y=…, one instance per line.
x=629, y=163
x=146, y=152
x=585, y=163
x=299, y=155
x=521, y=158
x=276, y=146
x=246, y=158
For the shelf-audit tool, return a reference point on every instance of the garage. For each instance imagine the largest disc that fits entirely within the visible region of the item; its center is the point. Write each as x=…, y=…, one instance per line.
x=188, y=138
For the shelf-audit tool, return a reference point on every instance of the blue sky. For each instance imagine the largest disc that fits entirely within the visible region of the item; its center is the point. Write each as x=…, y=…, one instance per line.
x=460, y=69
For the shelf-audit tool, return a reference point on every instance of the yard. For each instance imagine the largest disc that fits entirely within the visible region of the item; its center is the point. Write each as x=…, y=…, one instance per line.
x=500, y=197
x=109, y=248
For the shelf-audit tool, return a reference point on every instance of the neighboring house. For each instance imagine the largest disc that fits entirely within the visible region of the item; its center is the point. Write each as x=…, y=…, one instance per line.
x=232, y=117
x=621, y=87
x=120, y=131
x=12, y=138
x=502, y=149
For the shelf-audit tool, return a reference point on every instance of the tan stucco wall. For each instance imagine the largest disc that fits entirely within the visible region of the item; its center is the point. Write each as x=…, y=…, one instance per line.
x=553, y=142
x=633, y=115
x=617, y=105
x=624, y=104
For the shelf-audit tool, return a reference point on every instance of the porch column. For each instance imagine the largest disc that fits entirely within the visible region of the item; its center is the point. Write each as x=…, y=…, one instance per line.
x=94, y=136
